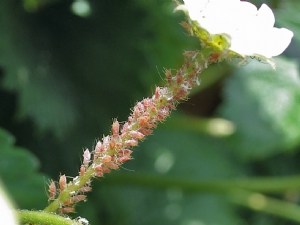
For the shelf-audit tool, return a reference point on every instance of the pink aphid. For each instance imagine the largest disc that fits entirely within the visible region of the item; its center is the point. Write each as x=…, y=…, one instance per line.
x=52, y=190
x=78, y=198
x=86, y=157
x=115, y=129
x=66, y=210
x=105, y=142
x=99, y=147
x=131, y=143
x=85, y=189
x=99, y=170
x=124, y=152
x=82, y=170
x=106, y=159
x=136, y=135
x=62, y=182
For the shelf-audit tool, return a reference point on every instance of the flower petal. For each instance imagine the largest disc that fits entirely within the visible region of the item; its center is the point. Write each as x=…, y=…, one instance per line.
x=251, y=31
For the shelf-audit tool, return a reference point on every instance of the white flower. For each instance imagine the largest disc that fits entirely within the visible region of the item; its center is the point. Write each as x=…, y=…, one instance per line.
x=7, y=215
x=250, y=31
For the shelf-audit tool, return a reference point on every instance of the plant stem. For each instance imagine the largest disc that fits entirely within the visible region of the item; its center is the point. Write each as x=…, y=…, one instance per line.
x=43, y=218
x=72, y=187
x=262, y=203
x=115, y=149
x=238, y=191
x=262, y=184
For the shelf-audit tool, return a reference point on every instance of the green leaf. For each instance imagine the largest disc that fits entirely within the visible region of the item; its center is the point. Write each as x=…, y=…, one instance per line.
x=43, y=94
x=6, y=139
x=35, y=5
x=179, y=154
x=264, y=105
x=19, y=172
x=213, y=126
x=288, y=16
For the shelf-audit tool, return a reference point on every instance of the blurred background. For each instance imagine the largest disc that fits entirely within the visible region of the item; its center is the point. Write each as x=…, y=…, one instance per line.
x=67, y=68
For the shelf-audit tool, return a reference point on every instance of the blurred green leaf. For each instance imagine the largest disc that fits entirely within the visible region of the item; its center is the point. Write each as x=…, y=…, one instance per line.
x=35, y=5
x=164, y=32
x=44, y=94
x=213, y=126
x=264, y=105
x=72, y=75
x=211, y=76
x=288, y=16
x=19, y=172
x=6, y=139
x=183, y=155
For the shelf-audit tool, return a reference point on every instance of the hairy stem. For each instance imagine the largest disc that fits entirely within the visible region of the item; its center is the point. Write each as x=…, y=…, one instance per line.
x=239, y=191
x=115, y=149
x=43, y=218
x=67, y=192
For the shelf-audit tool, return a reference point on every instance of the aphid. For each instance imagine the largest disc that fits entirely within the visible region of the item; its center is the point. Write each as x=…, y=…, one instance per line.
x=66, y=210
x=85, y=189
x=69, y=202
x=106, y=159
x=99, y=170
x=112, y=165
x=82, y=221
x=214, y=57
x=99, y=147
x=124, y=152
x=82, y=170
x=144, y=121
x=168, y=74
x=86, y=157
x=52, y=190
x=131, y=143
x=78, y=198
x=62, y=182
x=115, y=129
x=124, y=159
x=136, y=135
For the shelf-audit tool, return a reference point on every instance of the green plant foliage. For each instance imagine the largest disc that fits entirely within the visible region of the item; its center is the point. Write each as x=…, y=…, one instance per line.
x=195, y=157
x=18, y=171
x=263, y=104
x=165, y=32
x=69, y=76
x=35, y=5
x=43, y=94
x=288, y=16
